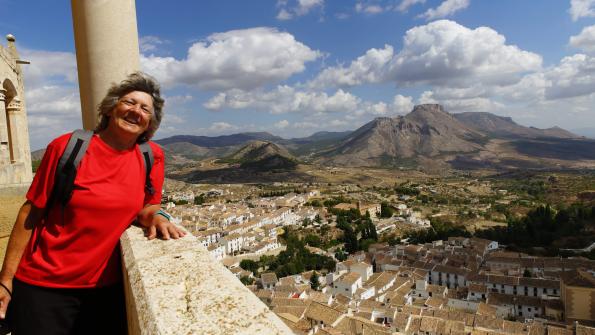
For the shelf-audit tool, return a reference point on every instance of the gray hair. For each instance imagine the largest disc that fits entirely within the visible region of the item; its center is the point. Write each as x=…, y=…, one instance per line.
x=137, y=81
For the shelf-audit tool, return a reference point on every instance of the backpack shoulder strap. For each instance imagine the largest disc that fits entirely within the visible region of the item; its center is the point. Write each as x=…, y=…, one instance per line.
x=148, y=159
x=75, y=149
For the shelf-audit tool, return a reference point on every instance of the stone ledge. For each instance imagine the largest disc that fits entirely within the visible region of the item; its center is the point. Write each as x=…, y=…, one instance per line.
x=175, y=287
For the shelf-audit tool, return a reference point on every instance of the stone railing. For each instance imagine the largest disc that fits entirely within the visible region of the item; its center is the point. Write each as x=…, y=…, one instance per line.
x=175, y=287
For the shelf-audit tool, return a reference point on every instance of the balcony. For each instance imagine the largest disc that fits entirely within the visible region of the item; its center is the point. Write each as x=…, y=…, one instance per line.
x=175, y=287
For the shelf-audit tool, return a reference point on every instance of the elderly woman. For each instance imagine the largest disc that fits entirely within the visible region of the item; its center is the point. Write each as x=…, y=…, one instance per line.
x=62, y=272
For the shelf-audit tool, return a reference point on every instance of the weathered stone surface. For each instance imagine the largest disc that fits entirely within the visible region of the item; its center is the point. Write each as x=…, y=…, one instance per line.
x=175, y=287
x=15, y=154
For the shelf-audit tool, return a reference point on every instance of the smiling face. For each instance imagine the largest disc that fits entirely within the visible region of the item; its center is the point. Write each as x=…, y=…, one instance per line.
x=132, y=114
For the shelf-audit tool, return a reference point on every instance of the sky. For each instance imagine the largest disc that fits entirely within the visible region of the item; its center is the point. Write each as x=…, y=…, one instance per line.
x=296, y=67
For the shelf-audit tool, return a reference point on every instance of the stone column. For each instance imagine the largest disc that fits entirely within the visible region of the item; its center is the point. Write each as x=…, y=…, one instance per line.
x=13, y=109
x=4, y=153
x=106, y=41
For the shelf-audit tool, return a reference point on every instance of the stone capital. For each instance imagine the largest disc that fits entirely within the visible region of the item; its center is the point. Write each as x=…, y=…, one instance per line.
x=14, y=106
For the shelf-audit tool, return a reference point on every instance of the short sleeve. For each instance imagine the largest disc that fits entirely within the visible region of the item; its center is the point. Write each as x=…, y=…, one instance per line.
x=43, y=182
x=157, y=175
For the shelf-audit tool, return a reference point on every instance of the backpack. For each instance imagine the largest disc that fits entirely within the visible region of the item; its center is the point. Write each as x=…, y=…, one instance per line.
x=68, y=165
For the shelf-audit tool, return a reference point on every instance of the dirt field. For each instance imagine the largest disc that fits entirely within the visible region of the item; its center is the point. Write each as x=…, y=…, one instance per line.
x=9, y=208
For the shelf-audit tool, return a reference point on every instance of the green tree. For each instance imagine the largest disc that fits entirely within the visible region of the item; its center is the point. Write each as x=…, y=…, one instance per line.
x=314, y=283
x=386, y=211
x=247, y=280
x=250, y=265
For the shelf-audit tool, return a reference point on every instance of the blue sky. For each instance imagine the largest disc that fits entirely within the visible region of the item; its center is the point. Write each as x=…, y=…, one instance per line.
x=295, y=67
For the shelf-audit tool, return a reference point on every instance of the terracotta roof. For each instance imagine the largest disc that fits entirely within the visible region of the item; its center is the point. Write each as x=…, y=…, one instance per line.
x=486, y=310
x=551, y=330
x=268, y=278
x=583, y=330
x=349, y=278
x=321, y=312
x=579, y=278
x=506, y=299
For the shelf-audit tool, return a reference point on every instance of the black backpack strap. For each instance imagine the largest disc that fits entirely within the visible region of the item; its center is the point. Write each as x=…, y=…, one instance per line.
x=67, y=167
x=148, y=159
x=66, y=171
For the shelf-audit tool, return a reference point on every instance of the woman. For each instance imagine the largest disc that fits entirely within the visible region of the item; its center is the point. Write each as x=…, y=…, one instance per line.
x=64, y=276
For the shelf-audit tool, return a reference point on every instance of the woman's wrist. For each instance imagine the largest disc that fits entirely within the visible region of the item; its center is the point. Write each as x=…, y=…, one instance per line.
x=161, y=212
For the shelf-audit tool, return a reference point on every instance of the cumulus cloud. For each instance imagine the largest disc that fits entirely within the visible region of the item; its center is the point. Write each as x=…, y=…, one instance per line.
x=298, y=8
x=458, y=105
x=368, y=8
x=585, y=40
x=581, y=8
x=49, y=67
x=285, y=99
x=242, y=59
x=442, y=53
x=446, y=8
x=445, y=52
x=222, y=126
x=369, y=68
x=574, y=76
x=150, y=43
x=282, y=124
x=406, y=4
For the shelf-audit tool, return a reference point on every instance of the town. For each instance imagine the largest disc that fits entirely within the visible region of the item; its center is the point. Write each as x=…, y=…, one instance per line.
x=387, y=280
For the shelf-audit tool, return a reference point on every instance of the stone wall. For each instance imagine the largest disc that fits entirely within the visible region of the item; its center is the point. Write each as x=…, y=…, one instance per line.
x=175, y=287
x=15, y=153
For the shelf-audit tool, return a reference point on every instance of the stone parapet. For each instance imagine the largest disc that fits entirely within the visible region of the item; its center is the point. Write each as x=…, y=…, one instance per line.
x=175, y=287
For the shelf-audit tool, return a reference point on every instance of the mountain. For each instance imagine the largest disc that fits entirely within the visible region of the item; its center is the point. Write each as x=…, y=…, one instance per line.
x=262, y=156
x=499, y=126
x=427, y=131
x=220, y=141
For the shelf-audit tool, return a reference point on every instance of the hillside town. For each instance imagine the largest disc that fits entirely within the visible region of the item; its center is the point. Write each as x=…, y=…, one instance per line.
x=461, y=285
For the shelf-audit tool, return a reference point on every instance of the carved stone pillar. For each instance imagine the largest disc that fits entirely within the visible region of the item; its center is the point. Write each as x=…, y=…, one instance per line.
x=13, y=110
x=4, y=149
x=106, y=40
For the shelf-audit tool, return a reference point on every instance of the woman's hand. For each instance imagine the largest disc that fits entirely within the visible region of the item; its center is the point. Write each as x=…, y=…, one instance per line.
x=5, y=296
x=158, y=225
x=165, y=229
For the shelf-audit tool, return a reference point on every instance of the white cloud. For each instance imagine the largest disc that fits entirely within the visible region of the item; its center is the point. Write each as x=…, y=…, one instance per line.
x=585, y=40
x=222, y=126
x=574, y=76
x=284, y=15
x=300, y=8
x=49, y=66
x=285, y=99
x=581, y=8
x=446, y=53
x=150, y=43
x=446, y=8
x=367, y=8
x=243, y=59
x=282, y=124
x=402, y=104
x=441, y=53
x=406, y=4
x=459, y=105
x=369, y=68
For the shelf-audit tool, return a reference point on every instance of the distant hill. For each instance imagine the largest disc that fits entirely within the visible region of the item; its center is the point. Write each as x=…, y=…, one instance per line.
x=500, y=126
x=427, y=131
x=220, y=141
x=428, y=137
x=263, y=156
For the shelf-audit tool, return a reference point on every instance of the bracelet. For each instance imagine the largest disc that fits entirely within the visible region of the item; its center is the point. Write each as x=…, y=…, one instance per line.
x=7, y=290
x=163, y=213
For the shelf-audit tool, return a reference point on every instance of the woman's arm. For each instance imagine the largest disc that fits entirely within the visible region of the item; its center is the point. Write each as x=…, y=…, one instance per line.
x=28, y=216
x=158, y=224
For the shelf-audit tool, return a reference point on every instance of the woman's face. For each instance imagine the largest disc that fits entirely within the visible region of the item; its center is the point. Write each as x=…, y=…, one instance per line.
x=132, y=114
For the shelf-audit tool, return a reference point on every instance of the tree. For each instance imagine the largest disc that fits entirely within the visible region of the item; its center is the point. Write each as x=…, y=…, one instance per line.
x=314, y=283
x=527, y=273
x=247, y=280
x=318, y=219
x=199, y=199
x=249, y=265
x=385, y=210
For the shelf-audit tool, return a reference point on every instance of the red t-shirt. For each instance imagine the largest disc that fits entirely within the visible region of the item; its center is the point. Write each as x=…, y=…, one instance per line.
x=78, y=246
